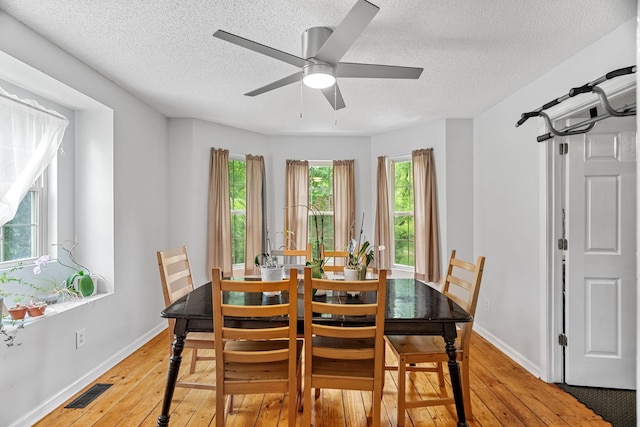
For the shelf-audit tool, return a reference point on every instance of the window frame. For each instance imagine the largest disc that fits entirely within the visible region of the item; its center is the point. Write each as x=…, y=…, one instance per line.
x=394, y=214
x=324, y=213
x=232, y=212
x=41, y=190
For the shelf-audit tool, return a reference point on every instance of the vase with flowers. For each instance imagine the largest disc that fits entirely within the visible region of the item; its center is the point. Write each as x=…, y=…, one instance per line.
x=270, y=270
x=360, y=256
x=317, y=261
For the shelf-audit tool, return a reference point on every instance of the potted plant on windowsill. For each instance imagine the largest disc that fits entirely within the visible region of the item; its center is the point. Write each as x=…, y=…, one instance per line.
x=80, y=279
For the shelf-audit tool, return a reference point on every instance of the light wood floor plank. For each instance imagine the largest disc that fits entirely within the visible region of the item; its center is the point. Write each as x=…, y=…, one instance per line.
x=502, y=394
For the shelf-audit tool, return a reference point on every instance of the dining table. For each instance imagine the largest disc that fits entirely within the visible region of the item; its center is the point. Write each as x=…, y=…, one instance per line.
x=412, y=308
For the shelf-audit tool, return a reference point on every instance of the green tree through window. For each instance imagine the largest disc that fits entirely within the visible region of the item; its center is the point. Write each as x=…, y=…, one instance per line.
x=321, y=200
x=238, y=204
x=403, y=230
x=19, y=238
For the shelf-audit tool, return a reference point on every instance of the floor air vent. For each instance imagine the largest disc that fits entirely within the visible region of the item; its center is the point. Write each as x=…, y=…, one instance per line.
x=88, y=396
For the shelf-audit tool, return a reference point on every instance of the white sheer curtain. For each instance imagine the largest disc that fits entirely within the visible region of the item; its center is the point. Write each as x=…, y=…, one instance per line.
x=29, y=138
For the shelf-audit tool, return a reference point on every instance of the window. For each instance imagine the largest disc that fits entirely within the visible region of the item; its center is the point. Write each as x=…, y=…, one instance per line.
x=22, y=237
x=321, y=203
x=238, y=204
x=403, y=230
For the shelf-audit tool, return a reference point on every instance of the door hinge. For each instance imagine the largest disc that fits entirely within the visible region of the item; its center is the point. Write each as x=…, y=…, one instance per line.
x=564, y=148
x=562, y=340
x=563, y=244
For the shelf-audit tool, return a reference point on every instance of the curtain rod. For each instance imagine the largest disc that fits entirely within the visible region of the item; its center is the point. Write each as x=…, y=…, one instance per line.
x=41, y=109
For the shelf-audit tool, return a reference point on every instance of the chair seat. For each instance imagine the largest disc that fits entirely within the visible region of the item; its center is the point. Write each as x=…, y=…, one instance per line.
x=201, y=339
x=426, y=347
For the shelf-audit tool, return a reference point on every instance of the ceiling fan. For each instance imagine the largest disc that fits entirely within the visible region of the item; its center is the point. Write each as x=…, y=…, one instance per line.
x=322, y=49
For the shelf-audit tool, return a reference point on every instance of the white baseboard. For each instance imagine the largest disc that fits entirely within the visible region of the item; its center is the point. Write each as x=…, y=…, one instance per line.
x=510, y=352
x=56, y=400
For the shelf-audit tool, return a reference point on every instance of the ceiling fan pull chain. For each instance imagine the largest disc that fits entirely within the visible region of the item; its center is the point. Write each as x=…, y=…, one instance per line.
x=301, y=75
x=335, y=104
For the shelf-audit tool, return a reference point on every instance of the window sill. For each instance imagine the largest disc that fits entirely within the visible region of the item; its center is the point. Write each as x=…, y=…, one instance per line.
x=53, y=310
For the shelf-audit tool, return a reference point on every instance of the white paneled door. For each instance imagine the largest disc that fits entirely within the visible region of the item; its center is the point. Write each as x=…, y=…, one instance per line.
x=600, y=279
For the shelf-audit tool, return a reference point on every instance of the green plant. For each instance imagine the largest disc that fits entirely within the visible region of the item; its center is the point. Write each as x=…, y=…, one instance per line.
x=362, y=257
x=266, y=259
x=85, y=282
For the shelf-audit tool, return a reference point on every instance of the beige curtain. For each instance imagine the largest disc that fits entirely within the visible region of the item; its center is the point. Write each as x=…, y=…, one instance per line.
x=382, y=237
x=219, y=219
x=255, y=212
x=344, y=203
x=297, y=201
x=425, y=211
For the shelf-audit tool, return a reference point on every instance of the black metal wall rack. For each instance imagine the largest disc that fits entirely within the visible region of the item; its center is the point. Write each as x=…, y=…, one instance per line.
x=588, y=124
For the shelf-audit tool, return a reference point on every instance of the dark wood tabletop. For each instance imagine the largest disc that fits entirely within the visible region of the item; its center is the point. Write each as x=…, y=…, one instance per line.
x=413, y=308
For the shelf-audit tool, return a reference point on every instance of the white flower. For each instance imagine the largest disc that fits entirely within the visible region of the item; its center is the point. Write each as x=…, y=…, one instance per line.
x=41, y=263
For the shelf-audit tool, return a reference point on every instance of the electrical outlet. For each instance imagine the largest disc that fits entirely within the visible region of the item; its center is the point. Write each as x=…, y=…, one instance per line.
x=79, y=338
x=486, y=304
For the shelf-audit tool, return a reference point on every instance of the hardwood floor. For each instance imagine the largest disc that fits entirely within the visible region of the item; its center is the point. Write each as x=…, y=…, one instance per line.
x=503, y=394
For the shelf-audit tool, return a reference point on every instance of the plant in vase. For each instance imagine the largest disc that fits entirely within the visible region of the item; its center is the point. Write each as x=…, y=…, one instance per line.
x=85, y=285
x=270, y=270
x=317, y=245
x=317, y=260
x=360, y=256
x=359, y=259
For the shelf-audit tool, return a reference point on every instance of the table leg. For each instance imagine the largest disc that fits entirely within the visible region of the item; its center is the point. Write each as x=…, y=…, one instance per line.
x=454, y=371
x=172, y=377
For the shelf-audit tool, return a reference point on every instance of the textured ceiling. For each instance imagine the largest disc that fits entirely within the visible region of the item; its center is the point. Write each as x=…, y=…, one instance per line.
x=474, y=54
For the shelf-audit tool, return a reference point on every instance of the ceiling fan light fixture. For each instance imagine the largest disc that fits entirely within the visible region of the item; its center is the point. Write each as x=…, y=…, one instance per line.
x=318, y=76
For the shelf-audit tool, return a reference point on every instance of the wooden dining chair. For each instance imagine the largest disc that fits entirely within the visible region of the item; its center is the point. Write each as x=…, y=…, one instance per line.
x=307, y=253
x=175, y=274
x=462, y=285
x=334, y=260
x=252, y=360
x=341, y=357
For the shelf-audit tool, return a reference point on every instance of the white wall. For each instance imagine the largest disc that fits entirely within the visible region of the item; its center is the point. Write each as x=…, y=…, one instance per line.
x=509, y=202
x=127, y=223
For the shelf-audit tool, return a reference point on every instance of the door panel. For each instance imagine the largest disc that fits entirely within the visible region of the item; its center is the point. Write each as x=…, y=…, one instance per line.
x=600, y=259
